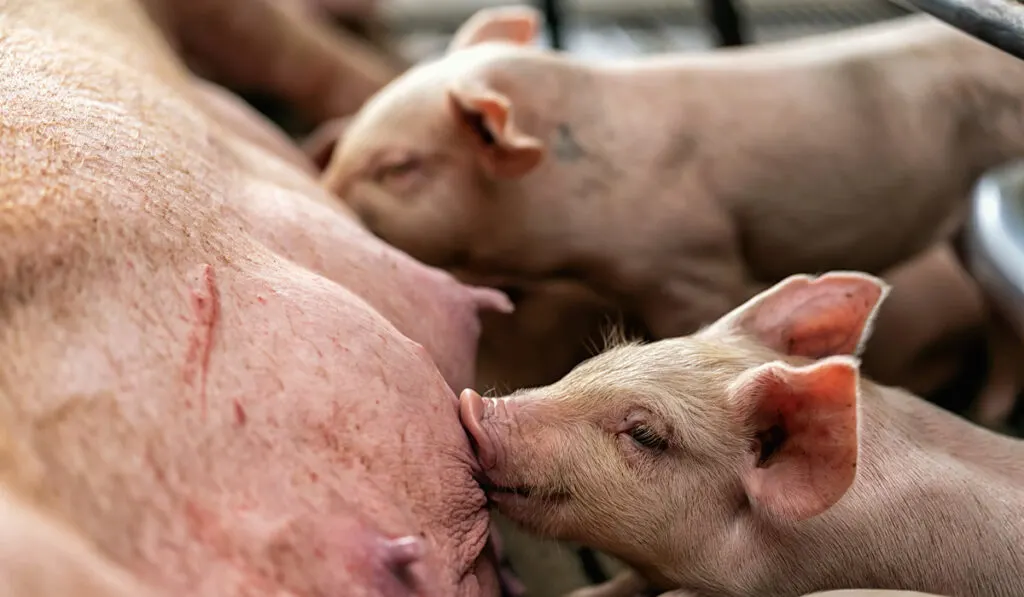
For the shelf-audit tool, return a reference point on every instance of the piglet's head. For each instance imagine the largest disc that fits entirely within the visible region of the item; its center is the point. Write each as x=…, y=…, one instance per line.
x=420, y=161
x=665, y=447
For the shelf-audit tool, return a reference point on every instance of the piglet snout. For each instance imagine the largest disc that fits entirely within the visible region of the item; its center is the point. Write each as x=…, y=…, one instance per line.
x=471, y=411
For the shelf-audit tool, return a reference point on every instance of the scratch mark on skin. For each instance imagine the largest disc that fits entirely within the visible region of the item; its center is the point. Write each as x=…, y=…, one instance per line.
x=240, y=415
x=206, y=308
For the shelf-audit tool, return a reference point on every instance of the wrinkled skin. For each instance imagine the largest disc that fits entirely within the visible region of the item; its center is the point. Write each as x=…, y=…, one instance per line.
x=213, y=383
x=506, y=160
x=753, y=458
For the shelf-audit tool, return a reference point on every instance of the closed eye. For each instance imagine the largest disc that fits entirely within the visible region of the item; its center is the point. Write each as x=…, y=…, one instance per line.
x=648, y=438
x=397, y=169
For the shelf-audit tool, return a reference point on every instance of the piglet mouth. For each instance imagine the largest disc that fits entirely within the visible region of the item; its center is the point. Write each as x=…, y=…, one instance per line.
x=492, y=490
x=519, y=491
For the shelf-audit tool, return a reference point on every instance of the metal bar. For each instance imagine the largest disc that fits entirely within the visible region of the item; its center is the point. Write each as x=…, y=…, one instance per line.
x=592, y=567
x=554, y=14
x=729, y=22
x=411, y=15
x=995, y=239
x=997, y=22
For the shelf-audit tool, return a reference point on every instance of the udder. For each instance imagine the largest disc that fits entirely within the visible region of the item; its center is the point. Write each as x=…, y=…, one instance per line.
x=256, y=428
x=209, y=407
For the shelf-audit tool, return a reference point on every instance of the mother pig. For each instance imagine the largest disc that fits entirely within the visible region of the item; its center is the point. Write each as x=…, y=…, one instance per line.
x=199, y=393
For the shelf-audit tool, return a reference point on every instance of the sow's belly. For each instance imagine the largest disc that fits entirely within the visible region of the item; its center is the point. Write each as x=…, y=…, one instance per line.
x=240, y=426
x=189, y=380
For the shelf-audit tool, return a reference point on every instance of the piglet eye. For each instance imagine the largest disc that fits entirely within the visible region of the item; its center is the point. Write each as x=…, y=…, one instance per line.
x=398, y=168
x=647, y=438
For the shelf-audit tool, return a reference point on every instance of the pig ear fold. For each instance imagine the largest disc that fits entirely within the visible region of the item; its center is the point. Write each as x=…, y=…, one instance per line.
x=810, y=317
x=514, y=24
x=803, y=428
x=486, y=116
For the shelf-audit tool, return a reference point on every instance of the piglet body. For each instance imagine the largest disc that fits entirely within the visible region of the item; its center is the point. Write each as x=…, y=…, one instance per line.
x=679, y=185
x=752, y=458
x=676, y=187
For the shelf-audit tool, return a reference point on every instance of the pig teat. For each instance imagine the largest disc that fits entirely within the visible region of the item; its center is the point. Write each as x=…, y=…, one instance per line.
x=490, y=299
x=471, y=411
x=403, y=551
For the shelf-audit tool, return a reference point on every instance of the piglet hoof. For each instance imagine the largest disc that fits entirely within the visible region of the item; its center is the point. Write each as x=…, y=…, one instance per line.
x=471, y=411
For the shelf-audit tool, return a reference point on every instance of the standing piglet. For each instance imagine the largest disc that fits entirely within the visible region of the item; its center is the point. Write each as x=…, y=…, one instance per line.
x=752, y=458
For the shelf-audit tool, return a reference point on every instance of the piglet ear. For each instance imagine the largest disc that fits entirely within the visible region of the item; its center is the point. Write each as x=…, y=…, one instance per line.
x=486, y=116
x=811, y=317
x=514, y=24
x=803, y=426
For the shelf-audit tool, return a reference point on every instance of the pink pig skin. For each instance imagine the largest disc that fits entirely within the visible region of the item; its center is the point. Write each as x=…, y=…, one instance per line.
x=753, y=458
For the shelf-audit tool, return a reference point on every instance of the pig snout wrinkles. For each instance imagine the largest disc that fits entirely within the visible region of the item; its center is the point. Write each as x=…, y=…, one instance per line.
x=472, y=408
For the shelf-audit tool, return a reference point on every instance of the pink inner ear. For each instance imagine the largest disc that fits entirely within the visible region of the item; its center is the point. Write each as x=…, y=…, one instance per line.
x=818, y=318
x=508, y=152
x=514, y=24
x=808, y=416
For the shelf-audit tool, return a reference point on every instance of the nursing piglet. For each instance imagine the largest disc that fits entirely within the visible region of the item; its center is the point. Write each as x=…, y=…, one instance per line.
x=752, y=458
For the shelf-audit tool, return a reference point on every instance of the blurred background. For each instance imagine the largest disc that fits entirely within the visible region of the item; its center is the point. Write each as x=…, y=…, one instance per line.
x=610, y=28
x=412, y=31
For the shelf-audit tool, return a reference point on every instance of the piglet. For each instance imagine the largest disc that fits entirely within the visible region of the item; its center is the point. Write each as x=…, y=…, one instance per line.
x=678, y=186
x=752, y=458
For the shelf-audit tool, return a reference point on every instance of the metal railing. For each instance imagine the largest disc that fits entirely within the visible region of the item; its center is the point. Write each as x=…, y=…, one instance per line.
x=995, y=228
x=998, y=22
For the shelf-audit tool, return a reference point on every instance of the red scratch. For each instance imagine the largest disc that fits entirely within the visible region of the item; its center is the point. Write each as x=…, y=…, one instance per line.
x=240, y=415
x=206, y=308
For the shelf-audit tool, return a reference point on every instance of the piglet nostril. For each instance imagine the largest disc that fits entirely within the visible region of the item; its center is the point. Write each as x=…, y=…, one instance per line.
x=471, y=411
